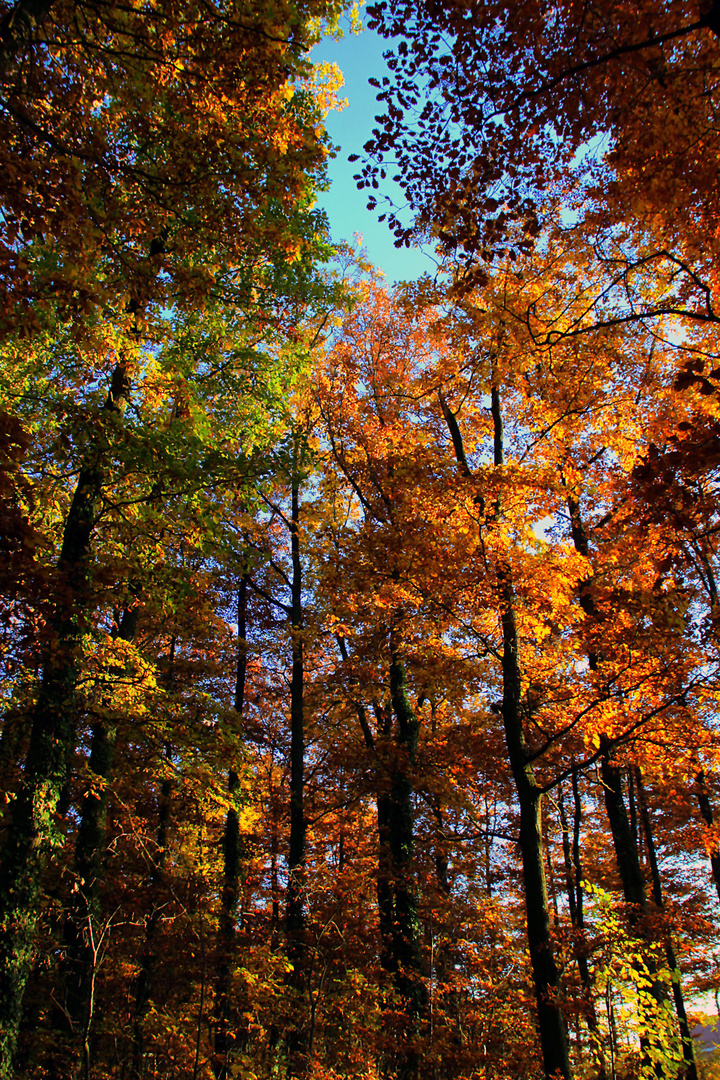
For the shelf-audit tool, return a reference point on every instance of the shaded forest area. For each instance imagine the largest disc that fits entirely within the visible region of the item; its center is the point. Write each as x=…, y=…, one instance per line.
x=359, y=646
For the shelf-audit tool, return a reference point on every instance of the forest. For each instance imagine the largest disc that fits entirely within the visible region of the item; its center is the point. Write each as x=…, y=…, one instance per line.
x=359, y=646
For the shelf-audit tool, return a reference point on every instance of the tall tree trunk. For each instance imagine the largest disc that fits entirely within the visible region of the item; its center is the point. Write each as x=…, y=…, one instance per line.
x=628, y=863
x=380, y=747
x=623, y=829
x=546, y=977
x=627, y=856
x=624, y=833
x=573, y=881
x=274, y=815
x=406, y=938
x=385, y=890
x=232, y=859
x=295, y=897
x=443, y=998
x=397, y=903
x=713, y=844
x=145, y=981
x=34, y=830
x=685, y=1033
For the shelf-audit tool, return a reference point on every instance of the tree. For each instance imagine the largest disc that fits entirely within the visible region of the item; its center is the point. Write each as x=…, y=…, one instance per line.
x=127, y=152
x=491, y=106
x=360, y=646
x=120, y=466
x=470, y=556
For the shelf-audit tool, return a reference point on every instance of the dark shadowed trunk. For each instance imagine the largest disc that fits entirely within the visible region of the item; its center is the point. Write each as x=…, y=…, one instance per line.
x=295, y=897
x=623, y=827
x=385, y=890
x=573, y=881
x=546, y=976
x=232, y=860
x=34, y=829
x=685, y=1033
x=626, y=850
x=397, y=903
x=405, y=939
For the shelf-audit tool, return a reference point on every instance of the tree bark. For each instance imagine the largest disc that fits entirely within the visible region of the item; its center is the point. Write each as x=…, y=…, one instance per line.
x=685, y=1033
x=385, y=891
x=573, y=880
x=406, y=943
x=628, y=863
x=546, y=977
x=397, y=903
x=626, y=852
x=622, y=828
x=295, y=897
x=34, y=827
x=232, y=859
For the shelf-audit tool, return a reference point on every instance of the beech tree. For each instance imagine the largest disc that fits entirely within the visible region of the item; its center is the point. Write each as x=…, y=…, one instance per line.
x=126, y=152
x=489, y=104
x=360, y=663
x=125, y=335
x=557, y=724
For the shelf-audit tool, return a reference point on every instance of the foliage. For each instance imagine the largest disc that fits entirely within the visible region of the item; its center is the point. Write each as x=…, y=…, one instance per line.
x=359, y=646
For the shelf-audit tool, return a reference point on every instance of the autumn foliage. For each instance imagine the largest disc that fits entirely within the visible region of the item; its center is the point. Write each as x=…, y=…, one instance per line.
x=359, y=645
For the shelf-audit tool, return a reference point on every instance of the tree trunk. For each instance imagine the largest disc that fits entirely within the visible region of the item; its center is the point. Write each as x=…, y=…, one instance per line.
x=628, y=863
x=685, y=1033
x=546, y=977
x=385, y=891
x=406, y=944
x=397, y=904
x=34, y=827
x=622, y=828
x=573, y=880
x=232, y=860
x=295, y=897
x=626, y=852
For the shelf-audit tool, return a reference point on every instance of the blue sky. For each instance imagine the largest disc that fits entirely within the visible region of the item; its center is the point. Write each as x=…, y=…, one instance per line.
x=359, y=57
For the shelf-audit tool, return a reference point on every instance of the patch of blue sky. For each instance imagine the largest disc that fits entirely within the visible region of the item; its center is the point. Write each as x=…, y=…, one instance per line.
x=359, y=57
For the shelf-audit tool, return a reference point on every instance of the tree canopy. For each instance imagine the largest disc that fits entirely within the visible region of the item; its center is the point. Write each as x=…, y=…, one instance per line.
x=359, y=644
